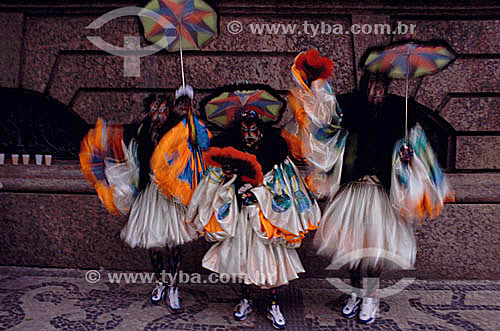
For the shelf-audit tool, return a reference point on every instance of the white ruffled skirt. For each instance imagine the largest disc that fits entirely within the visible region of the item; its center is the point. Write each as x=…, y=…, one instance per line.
x=248, y=255
x=360, y=225
x=156, y=221
x=255, y=243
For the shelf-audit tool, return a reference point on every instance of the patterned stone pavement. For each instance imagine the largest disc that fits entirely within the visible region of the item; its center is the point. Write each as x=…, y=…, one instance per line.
x=61, y=299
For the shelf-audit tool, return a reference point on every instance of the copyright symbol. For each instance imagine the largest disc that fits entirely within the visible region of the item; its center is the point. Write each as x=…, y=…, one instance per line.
x=234, y=27
x=92, y=276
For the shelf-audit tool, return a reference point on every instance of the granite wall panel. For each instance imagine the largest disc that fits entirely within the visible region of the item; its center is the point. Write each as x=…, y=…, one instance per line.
x=478, y=113
x=11, y=35
x=282, y=33
x=47, y=36
x=462, y=243
x=476, y=188
x=50, y=38
x=476, y=152
x=465, y=36
x=464, y=75
x=119, y=106
x=364, y=41
x=104, y=71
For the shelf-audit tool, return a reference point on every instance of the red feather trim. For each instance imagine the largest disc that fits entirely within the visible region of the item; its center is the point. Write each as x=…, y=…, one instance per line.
x=313, y=65
x=213, y=157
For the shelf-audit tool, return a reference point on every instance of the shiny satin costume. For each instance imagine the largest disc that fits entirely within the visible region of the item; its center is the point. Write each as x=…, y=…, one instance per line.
x=255, y=241
x=375, y=193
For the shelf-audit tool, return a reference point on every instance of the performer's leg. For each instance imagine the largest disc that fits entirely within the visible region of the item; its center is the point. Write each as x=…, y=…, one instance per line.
x=355, y=276
x=351, y=308
x=157, y=262
x=244, y=307
x=174, y=262
x=156, y=257
x=369, y=306
x=274, y=296
x=373, y=274
x=274, y=311
x=244, y=291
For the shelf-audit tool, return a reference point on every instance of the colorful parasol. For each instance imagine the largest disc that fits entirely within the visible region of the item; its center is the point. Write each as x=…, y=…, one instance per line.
x=187, y=25
x=408, y=59
x=243, y=164
x=226, y=104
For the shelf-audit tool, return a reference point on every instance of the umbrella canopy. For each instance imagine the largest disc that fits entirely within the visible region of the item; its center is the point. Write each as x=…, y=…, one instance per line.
x=409, y=59
x=227, y=103
x=187, y=24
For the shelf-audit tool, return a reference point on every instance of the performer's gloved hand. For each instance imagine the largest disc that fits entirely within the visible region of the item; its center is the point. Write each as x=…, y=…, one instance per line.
x=406, y=153
x=228, y=170
x=248, y=198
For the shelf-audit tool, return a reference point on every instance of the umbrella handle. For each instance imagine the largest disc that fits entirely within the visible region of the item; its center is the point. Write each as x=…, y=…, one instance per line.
x=182, y=63
x=406, y=97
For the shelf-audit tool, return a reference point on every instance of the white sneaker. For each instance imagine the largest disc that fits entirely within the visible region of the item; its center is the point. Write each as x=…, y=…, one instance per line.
x=158, y=292
x=352, y=306
x=368, y=311
x=173, y=301
x=242, y=310
x=275, y=315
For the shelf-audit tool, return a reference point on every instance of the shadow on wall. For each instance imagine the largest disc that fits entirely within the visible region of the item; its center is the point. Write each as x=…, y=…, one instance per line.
x=439, y=132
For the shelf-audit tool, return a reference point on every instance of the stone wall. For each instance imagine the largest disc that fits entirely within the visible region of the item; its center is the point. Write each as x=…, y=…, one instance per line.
x=50, y=217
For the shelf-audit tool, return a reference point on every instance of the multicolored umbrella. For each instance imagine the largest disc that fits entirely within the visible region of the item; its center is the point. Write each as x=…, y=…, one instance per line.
x=408, y=59
x=227, y=103
x=186, y=24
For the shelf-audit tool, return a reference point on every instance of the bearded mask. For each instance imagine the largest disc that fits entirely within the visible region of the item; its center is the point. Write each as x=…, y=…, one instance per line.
x=158, y=111
x=375, y=87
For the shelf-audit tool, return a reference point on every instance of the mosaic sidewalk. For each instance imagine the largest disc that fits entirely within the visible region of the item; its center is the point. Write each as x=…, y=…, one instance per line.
x=61, y=299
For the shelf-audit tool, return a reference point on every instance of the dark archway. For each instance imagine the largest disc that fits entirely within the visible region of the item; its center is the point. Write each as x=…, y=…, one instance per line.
x=439, y=132
x=32, y=122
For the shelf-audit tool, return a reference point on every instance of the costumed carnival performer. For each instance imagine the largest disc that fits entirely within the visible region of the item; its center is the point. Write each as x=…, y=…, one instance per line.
x=148, y=173
x=376, y=184
x=252, y=203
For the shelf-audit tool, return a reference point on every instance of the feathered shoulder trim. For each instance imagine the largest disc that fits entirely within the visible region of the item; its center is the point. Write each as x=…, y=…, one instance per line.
x=248, y=168
x=313, y=66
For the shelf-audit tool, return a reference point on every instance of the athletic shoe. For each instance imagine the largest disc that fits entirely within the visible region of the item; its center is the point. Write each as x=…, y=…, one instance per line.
x=352, y=306
x=242, y=310
x=368, y=310
x=275, y=315
x=173, y=301
x=158, y=293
